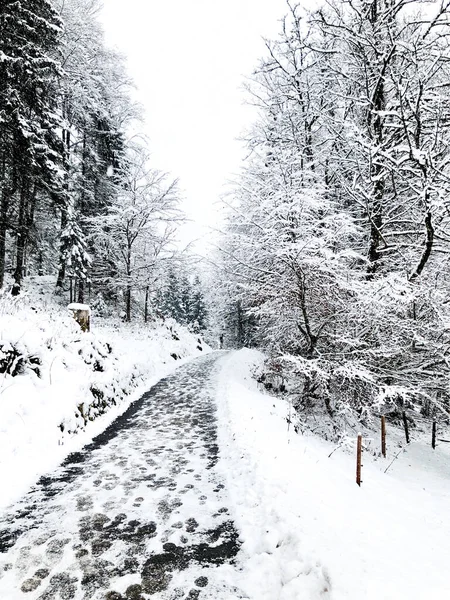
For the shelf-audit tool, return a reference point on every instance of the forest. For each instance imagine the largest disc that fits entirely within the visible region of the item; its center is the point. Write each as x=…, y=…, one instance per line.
x=334, y=256
x=338, y=235
x=80, y=197
x=182, y=415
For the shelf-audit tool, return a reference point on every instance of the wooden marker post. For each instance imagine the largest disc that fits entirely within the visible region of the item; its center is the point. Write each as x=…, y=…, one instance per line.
x=383, y=436
x=82, y=315
x=405, y=425
x=433, y=436
x=358, y=459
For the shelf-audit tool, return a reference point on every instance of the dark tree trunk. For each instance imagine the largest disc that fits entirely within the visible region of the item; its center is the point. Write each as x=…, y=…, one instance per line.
x=429, y=232
x=376, y=171
x=62, y=265
x=21, y=238
x=40, y=263
x=24, y=225
x=376, y=224
x=3, y=231
x=147, y=294
x=128, y=303
x=376, y=128
x=128, y=288
x=81, y=291
x=9, y=184
x=240, y=326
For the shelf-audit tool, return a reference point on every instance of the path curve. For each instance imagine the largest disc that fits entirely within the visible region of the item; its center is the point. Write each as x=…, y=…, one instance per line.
x=139, y=513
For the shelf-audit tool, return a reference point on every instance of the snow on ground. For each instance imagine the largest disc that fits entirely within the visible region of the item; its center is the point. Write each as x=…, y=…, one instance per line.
x=141, y=512
x=308, y=530
x=53, y=377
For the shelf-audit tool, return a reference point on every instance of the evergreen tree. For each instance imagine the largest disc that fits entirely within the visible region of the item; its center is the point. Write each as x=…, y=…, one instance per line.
x=30, y=151
x=197, y=310
x=185, y=300
x=170, y=300
x=74, y=254
x=95, y=109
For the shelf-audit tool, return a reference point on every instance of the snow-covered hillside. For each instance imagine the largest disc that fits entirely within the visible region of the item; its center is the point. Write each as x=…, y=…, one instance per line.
x=59, y=387
x=308, y=530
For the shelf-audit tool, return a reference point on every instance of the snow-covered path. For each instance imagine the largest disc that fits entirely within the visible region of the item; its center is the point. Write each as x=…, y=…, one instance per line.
x=140, y=511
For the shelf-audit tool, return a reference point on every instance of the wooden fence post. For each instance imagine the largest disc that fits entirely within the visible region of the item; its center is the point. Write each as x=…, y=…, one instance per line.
x=405, y=425
x=358, y=459
x=383, y=436
x=433, y=435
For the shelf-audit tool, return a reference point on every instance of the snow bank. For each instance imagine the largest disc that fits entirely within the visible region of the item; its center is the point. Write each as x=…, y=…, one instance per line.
x=308, y=530
x=59, y=387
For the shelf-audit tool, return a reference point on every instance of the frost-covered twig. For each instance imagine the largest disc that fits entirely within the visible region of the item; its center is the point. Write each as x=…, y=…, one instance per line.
x=394, y=459
x=337, y=448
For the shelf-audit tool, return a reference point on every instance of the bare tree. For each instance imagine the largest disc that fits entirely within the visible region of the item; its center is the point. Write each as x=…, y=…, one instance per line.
x=137, y=233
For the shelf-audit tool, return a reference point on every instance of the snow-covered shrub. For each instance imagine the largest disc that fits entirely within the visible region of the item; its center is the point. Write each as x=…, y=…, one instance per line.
x=377, y=359
x=16, y=361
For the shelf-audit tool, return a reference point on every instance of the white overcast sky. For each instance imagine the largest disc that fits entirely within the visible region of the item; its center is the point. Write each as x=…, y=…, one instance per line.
x=189, y=59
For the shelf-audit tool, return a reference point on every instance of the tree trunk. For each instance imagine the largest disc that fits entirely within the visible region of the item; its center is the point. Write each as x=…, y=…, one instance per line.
x=375, y=124
x=21, y=237
x=25, y=222
x=376, y=223
x=3, y=230
x=9, y=184
x=147, y=293
x=376, y=172
x=128, y=288
x=81, y=291
x=62, y=265
x=66, y=143
x=40, y=263
x=240, y=326
x=128, y=302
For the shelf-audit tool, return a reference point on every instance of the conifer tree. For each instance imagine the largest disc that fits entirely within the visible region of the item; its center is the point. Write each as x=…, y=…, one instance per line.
x=30, y=151
x=95, y=108
x=74, y=255
x=197, y=309
x=170, y=301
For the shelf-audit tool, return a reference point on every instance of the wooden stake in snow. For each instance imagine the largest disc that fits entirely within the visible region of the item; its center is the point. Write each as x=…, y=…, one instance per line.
x=383, y=436
x=358, y=459
x=433, y=436
x=405, y=425
x=82, y=315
